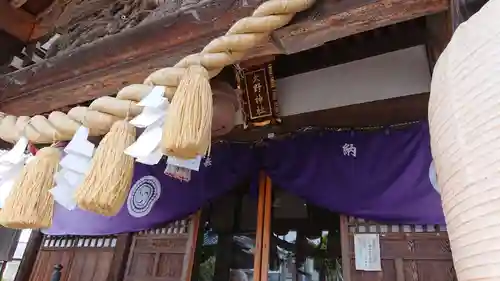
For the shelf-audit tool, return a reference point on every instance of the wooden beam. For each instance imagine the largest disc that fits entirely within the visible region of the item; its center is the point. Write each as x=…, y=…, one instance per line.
x=332, y=20
x=103, y=67
x=357, y=47
x=377, y=113
x=16, y=22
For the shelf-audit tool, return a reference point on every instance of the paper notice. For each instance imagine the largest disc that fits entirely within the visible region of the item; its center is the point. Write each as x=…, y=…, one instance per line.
x=367, y=252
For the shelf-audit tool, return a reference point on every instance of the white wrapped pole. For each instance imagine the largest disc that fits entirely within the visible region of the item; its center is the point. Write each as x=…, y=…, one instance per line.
x=464, y=118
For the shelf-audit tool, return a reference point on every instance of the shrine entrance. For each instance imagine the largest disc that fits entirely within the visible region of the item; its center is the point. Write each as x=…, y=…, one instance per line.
x=274, y=235
x=271, y=236
x=227, y=238
x=305, y=241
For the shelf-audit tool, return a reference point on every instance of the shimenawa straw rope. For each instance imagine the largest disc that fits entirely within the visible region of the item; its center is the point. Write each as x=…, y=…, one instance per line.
x=103, y=112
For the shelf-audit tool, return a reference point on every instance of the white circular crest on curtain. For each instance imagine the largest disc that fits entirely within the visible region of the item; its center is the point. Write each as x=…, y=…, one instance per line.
x=433, y=176
x=143, y=195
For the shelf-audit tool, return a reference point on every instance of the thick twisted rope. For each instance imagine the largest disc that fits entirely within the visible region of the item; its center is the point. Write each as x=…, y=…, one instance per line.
x=104, y=111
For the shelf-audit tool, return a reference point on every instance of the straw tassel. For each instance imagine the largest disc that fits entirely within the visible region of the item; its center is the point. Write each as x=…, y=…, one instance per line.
x=29, y=205
x=187, y=129
x=107, y=184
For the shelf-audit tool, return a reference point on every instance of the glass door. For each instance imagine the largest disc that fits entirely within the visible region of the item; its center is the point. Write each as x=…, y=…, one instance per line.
x=301, y=242
x=229, y=240
x=267, y=234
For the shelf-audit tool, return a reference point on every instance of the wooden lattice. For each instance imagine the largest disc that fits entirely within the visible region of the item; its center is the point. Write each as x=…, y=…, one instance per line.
x=176, y=227
x=357, y=225
x=65, y=242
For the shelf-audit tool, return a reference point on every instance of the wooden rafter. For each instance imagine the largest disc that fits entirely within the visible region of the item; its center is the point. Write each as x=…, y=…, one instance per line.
x=103, y=67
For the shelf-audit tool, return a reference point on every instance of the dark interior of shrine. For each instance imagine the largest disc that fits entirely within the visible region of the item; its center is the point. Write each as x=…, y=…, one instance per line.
x=304, y=239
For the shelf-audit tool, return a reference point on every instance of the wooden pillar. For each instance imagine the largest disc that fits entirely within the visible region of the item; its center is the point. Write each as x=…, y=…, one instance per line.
x=263, y=239
x=29, y=258
x=266, y=235
x=440, y=26
x=462, y=10
x=344, y=242
x=198, y=246
x=438, y=34
x=193, y=231
x=120, y=257
x=2, y=269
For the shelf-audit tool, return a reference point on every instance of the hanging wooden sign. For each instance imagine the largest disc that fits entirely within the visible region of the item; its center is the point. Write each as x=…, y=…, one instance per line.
x=258, y=95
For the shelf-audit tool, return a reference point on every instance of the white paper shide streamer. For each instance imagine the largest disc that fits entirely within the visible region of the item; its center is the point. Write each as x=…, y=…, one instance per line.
x=11, y=164
x=146, y=149
x=73, y=166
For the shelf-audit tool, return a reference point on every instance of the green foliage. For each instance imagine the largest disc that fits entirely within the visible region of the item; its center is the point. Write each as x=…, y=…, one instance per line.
x=207, y=269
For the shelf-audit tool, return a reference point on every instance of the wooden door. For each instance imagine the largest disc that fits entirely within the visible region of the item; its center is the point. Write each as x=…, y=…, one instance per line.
x=82, y=258
x=408, y=252
x=164, y=253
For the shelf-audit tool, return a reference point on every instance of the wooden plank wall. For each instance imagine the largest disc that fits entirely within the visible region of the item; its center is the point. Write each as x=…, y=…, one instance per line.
x=82, y=258
x=165, y=253
x=408, y=252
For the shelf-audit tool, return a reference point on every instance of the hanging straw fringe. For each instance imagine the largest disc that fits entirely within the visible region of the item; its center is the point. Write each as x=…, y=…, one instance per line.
x=29, y=205
x=107, y=184
x=187, y=129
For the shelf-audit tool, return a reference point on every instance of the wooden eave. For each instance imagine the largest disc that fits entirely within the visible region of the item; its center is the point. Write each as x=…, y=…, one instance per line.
x=33, y=19
x=103, y=67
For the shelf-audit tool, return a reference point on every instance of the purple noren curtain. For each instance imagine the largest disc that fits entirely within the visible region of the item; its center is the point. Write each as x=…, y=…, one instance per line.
x=382, y=175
